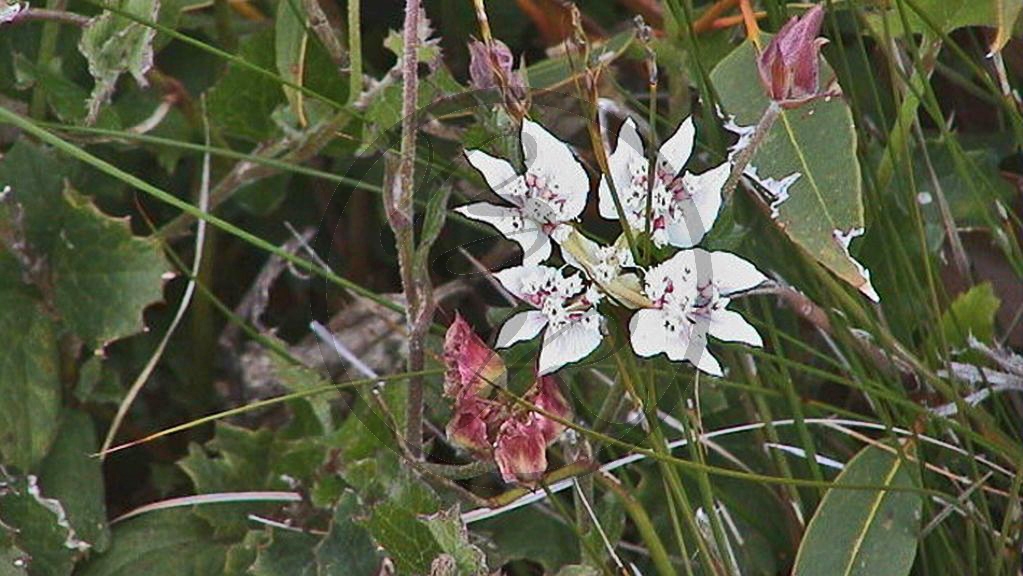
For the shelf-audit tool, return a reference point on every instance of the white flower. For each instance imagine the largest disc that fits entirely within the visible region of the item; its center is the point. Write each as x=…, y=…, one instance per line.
x=552, y=191
x=683, y=206
x=690, y=295
x=564, y=309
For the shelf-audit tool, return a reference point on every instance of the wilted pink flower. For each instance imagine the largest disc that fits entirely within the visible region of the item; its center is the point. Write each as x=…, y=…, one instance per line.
x=472, y=366
x=546, y=395
x=521, y=449
x=485, y=63
x=471, y=423
x=790, y=65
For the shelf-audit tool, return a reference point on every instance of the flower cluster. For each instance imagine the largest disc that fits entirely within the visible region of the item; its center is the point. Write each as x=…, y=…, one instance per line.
x=677, y=302
x=492, y=426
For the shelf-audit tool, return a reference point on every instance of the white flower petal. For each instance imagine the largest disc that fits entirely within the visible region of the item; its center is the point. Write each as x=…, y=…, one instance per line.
x=700, y=211
x=628, y=149
x=570, y=344
x=536, y=247
x=515, y=278
x=551, y=159
x=520, y=327
x=730, y=326
x=499, y=174
x=705, y=361
x=650, y=337
x=733, y=274
x=675, y=151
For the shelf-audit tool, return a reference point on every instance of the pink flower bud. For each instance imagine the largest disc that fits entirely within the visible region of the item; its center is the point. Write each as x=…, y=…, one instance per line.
x=790, y=65
x=485, y=64
x=546, y=395
x=521, y=449
x=470, y=425
x=472, y=366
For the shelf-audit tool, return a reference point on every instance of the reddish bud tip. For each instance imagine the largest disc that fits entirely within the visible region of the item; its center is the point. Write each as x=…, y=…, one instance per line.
x=789, y=66
x=472, y=366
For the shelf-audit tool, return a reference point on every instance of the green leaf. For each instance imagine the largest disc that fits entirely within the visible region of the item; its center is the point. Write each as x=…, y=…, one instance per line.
x=75, y=478
x=36, y=178
x=96, y=259
x=864, y=532
x=38, y=526
x=548, y=541
x=297, y=378
x=347, y=548
x=164, y=543
x=115, y=45
x=971, y=314
x=823, y=208
x=66, y=99
x=396, y=525
x=948, y=15
x=291, y=38
x=287, y=554
x=243, y=101
x=29, y=380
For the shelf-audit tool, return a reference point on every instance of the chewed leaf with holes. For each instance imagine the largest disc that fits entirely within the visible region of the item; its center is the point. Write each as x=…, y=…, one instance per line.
x=861, y=532
x=807, y=162
x=95, y=258
x=115, y=45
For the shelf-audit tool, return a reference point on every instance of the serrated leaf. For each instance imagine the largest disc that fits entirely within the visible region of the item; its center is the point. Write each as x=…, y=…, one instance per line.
x=347, y=548
x=164, y=543
x=287, y=554
x=812, y=150
x=451, y=534
x=38, y=526
x=29, y=380
x=115, y=45
x=864, y=532
x=74, y=477
x=103, y=276
x=291, y=38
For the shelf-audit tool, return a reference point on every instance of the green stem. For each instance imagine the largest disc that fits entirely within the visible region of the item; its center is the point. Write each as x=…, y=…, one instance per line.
x=641, y=520
x=354, y=50
x=47, y=48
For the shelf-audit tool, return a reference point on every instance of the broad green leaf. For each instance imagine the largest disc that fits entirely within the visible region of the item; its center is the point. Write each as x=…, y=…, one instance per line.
x=164, y=543
x=36, y=178
x=347, y=548
x=38, y=525
x=95, y=259
x=864, y=532
x=243, y=101
x=972, y=313
x=116, y=45
x=74, y=477
x=813, y=149
x=29, y=379
x=291, y=38
x=923, y=16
